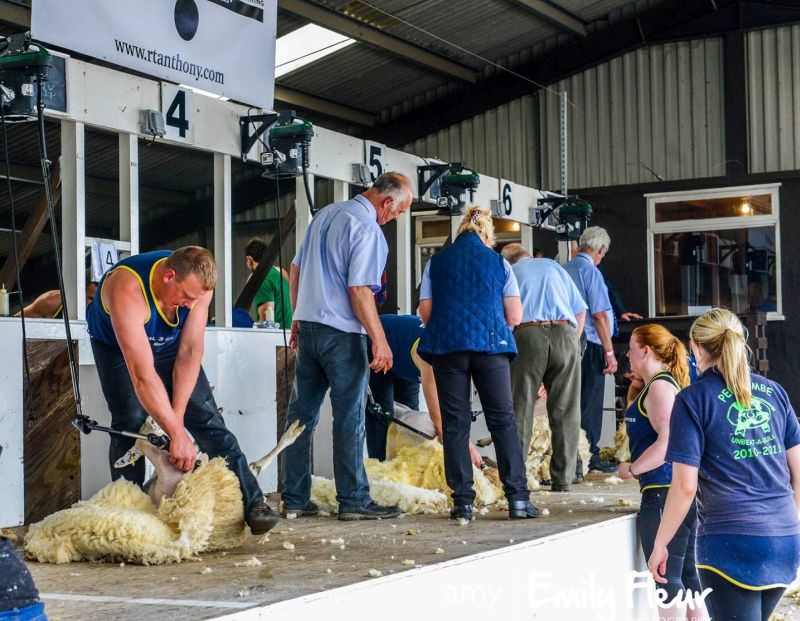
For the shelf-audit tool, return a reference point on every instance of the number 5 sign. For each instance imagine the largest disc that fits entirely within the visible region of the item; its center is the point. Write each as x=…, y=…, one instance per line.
x=375, y=157
x=177, y=106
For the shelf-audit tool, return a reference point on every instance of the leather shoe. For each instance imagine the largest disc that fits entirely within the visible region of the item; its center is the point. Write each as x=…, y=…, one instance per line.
x=309, y=510
x=261, y=519
x=462, y=512
x=521, y=509
x=557, y=487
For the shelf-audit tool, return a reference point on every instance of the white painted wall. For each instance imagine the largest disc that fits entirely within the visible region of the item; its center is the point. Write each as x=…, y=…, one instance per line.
x=12, y=499
x=585, y=574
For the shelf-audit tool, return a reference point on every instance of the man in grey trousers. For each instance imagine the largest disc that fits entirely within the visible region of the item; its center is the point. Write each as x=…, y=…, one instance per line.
x=548, y=344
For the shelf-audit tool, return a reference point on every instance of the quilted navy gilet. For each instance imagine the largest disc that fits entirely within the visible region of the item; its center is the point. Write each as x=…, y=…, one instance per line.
x=467, y=280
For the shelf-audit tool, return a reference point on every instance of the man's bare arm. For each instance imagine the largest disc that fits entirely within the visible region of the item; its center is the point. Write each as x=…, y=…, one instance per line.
x=122, y=295
x=43, y=307
x=367, y=313
x=294, y=285
x=603, y=327
x=190, y=355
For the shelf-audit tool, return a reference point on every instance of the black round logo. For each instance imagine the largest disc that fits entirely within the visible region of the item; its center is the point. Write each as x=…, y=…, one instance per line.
x=187, y=18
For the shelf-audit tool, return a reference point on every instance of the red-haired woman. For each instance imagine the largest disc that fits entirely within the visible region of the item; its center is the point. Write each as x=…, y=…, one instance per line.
x=659, y=358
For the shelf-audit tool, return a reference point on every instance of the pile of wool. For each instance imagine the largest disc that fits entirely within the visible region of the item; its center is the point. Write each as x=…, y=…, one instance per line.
x=410, y=499
x=621, y=451
x=412, y=473
x=540, y=451
x=121, y=524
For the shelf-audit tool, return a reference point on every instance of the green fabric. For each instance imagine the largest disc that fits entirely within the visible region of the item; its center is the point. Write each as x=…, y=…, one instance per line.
x=270, y=291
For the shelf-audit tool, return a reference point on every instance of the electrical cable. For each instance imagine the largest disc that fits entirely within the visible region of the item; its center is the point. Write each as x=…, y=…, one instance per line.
x=73, y=365
x=26, y=365
x=281, y=295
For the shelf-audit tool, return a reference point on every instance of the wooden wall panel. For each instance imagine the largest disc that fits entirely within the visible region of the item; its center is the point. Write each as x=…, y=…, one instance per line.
x=52, y=444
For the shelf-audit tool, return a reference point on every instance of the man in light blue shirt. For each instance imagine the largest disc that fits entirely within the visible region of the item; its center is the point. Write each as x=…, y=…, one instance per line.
x=332, y=280
x=548, y=346
x=598, y=359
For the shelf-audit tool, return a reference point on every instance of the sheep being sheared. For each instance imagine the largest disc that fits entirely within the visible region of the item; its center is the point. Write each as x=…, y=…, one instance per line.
x=122, y=523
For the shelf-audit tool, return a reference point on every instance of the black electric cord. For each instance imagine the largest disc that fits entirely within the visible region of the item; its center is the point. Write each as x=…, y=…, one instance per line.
x=26, y=365
x=73, y=365
x=281, y=295
x=304, y=163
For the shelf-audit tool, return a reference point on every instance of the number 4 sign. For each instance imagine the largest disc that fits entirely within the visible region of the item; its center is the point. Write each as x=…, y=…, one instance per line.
x=177, y=105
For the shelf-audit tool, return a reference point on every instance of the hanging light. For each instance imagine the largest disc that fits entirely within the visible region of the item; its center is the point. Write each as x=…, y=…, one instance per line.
x=745, y=208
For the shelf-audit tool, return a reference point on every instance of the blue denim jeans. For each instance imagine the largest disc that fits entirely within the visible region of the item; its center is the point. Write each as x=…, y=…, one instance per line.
x=328, y=358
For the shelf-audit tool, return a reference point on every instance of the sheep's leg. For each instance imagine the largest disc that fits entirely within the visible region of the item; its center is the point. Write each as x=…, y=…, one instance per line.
x=289, y=436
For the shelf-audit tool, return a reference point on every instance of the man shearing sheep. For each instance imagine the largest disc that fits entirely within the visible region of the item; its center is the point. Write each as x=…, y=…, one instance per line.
x=147, y=324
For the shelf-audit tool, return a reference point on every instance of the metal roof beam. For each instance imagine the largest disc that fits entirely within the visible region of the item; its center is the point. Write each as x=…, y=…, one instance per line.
x=324, y=106
x=377, y=39
x=555, y=15
x=15, y=15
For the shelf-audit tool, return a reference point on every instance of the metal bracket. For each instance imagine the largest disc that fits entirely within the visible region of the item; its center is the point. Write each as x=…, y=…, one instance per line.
x=260, y=124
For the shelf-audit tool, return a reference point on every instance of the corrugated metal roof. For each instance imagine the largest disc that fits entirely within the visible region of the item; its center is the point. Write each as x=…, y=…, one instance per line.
x=499, y=31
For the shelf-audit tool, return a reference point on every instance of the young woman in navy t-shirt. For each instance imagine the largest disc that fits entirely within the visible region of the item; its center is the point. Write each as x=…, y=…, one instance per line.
x=734, y=442
x=660, y=360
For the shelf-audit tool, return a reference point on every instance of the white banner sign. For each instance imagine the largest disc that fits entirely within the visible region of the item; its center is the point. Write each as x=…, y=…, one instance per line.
x=226, y=47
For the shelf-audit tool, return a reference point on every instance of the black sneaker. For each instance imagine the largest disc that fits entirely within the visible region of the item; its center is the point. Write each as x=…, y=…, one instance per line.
x=309, y=510
x=462, y=512
x=603, y=465
x=261, y=519
x=372, y=511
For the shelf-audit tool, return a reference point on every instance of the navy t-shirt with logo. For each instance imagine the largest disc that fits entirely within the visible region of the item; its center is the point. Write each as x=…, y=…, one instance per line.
x=744, y=486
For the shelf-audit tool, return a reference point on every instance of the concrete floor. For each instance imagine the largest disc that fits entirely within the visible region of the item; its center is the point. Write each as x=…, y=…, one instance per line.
x=215, y=585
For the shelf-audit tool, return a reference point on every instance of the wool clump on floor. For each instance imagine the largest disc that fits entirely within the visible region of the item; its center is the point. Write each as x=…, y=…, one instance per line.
x=412, y=480
x=121, y=524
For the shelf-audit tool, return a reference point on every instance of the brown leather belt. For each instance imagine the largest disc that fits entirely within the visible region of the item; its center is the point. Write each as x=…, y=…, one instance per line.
x=555, y=322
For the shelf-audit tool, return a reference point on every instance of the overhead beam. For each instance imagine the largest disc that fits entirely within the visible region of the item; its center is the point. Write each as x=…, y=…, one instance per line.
x=24, y=173
x=556, y=15
x=31, y=231
x=15, y=15
x=324, y=106
x=380, y=40
x=670, y=20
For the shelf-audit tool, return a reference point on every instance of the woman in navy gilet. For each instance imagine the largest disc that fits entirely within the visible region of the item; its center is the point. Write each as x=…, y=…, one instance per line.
x=660, y=360
x=734, y=441
x=469, y=299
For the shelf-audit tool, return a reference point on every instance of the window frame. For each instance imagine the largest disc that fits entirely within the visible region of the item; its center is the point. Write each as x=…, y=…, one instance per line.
x=714, y=224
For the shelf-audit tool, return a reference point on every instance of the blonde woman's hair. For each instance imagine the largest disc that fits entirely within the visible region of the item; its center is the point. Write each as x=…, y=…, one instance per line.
x=477, y=220
x=667, y=348
x=720, y=333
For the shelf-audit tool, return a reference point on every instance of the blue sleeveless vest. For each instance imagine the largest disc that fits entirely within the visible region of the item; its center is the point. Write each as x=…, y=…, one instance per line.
x=467, y=280
x=642, y=435
x=161, y=333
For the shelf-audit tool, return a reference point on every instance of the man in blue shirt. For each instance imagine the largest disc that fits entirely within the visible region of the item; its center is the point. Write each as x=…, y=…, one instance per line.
x=548, y=351
x=598, y=359
x=332, y=280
